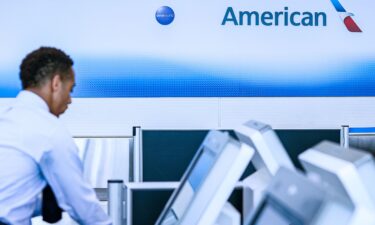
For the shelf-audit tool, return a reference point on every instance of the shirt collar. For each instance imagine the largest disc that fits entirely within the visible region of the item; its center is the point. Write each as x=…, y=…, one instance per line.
x=32, y=99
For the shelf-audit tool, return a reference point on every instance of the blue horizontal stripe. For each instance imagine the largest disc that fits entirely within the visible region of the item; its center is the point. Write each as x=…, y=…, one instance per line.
x=100, y=78
x=354, y=130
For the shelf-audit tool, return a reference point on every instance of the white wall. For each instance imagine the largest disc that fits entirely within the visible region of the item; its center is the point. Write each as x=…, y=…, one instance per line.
x=117, y=116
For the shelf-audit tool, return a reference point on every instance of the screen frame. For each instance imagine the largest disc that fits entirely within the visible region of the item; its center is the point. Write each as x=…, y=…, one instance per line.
x=187, y=174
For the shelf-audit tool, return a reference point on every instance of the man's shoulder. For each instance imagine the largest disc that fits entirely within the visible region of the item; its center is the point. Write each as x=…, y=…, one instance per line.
x=51, y=125
x=33, y=121
x=52, y=132
x=42, y=121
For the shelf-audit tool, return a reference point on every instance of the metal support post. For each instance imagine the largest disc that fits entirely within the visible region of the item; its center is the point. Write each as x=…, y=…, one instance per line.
x=137, y=155
x=115, y=201
x=344, y=136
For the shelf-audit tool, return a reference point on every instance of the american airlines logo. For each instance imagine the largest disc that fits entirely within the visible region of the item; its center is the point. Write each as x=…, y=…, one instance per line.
x=284, y=17
x=287, y=17
x=346, y=17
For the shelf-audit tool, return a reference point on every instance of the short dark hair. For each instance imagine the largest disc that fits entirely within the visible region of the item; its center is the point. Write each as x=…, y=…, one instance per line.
x=41, y=64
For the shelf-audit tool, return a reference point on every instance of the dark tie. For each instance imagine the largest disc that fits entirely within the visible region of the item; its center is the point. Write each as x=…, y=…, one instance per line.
x=51, y=212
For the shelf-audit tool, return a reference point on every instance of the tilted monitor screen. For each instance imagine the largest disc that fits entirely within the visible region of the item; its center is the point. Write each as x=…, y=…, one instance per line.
x=274, y=214
x=270, y=216
x=189, y=187
x=208, y=181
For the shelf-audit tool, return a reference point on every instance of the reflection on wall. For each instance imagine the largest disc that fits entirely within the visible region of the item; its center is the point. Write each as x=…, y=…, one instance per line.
x=104, y=159
x=364, y=142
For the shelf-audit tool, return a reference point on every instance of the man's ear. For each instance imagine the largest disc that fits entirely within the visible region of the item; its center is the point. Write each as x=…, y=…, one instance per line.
x=56, y=82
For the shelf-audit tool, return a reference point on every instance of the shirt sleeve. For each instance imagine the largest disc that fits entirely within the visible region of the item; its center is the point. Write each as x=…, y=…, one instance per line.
x=38, y=207
x=63, y=171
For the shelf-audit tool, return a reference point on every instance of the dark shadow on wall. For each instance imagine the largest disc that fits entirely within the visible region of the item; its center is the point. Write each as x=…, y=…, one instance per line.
x=166, y=154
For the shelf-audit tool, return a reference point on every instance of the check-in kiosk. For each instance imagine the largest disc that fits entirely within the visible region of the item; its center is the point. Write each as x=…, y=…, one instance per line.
x=208, y=182
x=348, y=172
x=269, y=156
x=293, y=199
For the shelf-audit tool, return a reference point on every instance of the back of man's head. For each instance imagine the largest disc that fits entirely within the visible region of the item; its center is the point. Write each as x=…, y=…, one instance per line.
x=42, y=64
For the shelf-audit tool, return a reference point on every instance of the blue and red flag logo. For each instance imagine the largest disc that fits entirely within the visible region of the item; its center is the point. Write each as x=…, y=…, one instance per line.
x=346, y=17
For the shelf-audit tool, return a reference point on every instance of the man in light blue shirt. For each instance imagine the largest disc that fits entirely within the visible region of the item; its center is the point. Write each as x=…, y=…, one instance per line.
x=36, y=149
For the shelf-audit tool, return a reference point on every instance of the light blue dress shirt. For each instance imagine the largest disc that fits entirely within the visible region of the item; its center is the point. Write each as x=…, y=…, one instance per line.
x=35, y=149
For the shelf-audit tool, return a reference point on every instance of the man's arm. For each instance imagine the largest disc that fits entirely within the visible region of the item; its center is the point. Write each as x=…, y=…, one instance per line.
x=63, y=171
x=38, y=207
